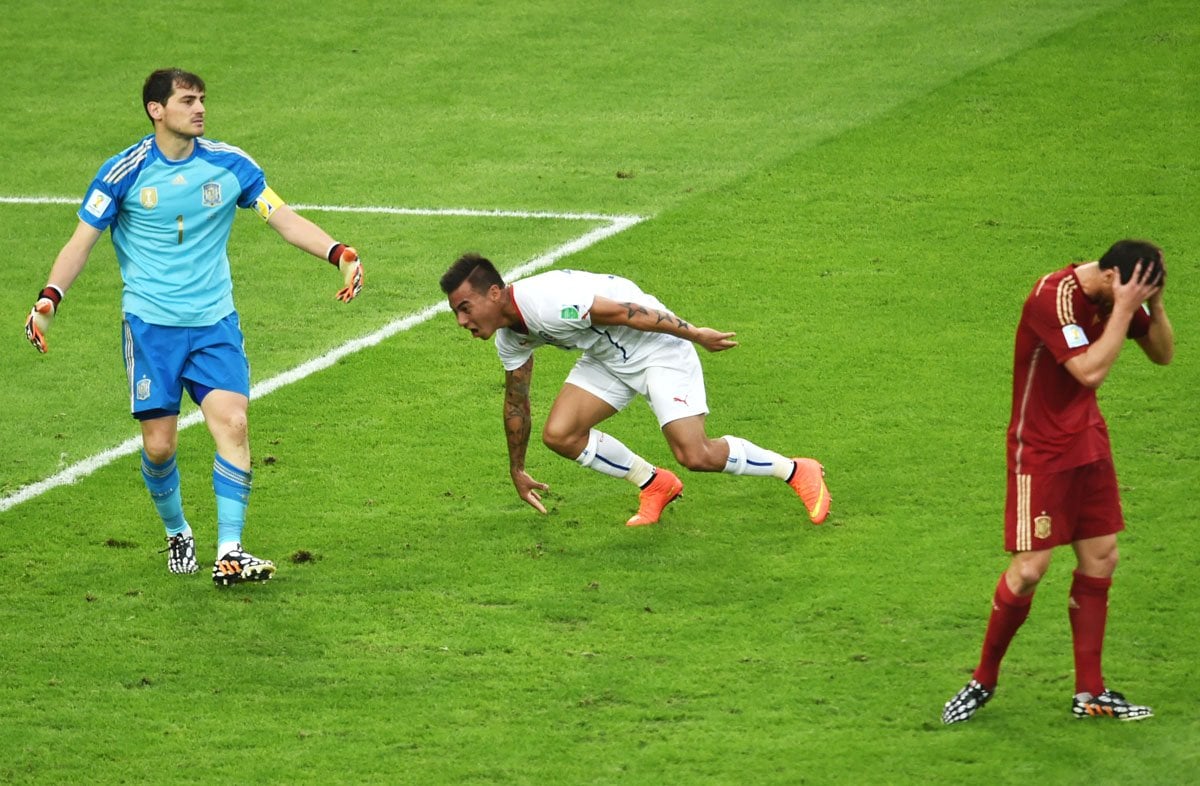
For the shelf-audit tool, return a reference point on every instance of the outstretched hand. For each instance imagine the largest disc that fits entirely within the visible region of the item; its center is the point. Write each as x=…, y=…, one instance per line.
x=528, y=488
x=348, y=263
x=715, y=340
x=40, y=317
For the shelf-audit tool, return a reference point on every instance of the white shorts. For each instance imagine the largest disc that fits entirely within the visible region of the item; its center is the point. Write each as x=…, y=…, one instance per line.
x=674, y=389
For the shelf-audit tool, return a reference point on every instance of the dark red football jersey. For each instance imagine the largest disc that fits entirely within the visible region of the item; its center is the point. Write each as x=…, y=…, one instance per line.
x=1056, y=423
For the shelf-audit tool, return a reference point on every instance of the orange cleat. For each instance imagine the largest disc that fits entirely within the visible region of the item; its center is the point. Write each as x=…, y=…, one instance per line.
x=664, y=487
x=808, y=481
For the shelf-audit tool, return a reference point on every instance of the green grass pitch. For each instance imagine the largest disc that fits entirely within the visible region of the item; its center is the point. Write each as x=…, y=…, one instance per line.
x=864, y=191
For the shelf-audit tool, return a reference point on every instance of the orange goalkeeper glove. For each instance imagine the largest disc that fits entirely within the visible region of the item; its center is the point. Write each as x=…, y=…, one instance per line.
x=41, y=315
x=346, y=259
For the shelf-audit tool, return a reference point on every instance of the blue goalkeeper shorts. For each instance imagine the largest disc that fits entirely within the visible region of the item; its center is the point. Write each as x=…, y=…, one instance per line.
x=161, y=361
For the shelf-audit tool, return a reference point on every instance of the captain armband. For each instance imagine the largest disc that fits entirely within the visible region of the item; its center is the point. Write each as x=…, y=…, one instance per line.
x=267, y=203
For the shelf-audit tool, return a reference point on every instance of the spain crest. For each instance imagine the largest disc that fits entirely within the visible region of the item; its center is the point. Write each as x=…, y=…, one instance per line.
x=210, y=194
x=149, y=197
x=1041, y=527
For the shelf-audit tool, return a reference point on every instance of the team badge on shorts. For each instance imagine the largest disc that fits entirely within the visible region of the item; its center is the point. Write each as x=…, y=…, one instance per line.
x=1041, y=527
x=569, y=312
x=143, y=389
x=210, y=194
x=149, y=197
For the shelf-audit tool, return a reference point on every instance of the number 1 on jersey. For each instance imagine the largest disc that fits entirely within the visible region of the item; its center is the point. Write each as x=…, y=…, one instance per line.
x=179, y=220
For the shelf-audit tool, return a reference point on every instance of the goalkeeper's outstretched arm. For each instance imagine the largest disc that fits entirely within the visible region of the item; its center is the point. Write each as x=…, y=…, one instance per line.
x=74, y=256
x=307, y=236
x=67, y=266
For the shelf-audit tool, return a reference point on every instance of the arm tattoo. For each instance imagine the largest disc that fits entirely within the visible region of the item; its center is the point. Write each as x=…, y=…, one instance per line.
x=633, y=310
x=517, y=413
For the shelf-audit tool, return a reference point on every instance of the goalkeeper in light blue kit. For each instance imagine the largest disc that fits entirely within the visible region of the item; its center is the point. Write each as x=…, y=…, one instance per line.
x=169, y=201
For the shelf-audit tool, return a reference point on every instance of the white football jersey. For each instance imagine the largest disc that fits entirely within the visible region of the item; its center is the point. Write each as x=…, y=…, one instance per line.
x=556, y=308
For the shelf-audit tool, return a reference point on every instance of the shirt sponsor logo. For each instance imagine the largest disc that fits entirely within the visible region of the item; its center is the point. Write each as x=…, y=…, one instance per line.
x=97, y=203
x=149, y=197
x=210, y=194
x=1074, y=336
x=179, y=180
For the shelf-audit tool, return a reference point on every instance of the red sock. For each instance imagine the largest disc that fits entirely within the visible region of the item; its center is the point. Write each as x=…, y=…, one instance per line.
x=1088, y=610
x=1008, y=613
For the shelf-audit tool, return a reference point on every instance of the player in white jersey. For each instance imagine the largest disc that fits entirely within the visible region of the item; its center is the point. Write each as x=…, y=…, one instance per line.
x=632, y=344
x=169, y=201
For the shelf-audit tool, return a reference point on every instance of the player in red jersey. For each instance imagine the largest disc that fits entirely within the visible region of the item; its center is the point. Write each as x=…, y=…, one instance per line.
x=1062, y=488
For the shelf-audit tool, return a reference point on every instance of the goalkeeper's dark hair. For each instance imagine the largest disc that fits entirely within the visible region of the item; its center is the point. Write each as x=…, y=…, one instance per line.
x=1125, y=254
x=472, y=267
x=162, y=83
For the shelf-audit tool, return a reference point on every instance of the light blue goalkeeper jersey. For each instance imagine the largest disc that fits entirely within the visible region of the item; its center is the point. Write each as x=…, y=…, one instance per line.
x=170, y=224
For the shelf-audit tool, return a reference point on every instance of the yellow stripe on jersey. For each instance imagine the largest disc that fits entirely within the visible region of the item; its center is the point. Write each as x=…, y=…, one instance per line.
x=267, y=203
x=1024, y=520
x=1066, y=306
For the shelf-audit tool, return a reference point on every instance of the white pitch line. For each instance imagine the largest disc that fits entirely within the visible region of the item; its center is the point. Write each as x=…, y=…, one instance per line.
x=39, y=201
x=464, y=212
x=132, y=445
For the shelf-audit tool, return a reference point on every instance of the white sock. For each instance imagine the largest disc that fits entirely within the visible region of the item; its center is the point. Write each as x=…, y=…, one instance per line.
x=608, y=456
x=226, y=547
x=746, y=458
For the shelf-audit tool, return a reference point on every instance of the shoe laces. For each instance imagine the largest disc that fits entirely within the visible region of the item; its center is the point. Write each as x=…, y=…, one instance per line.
x=172, y=542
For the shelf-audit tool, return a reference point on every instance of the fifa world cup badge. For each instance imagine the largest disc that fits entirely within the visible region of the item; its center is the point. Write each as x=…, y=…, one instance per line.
x=1041, y=527
x=1074, y=336
x=97, y=203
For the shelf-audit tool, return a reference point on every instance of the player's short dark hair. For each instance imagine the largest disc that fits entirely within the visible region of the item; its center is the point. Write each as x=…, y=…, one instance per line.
x=473, y=268
x=1124, y=254
x=162, y=83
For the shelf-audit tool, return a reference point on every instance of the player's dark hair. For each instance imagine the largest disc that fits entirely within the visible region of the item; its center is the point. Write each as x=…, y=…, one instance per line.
x=162, y=83
x=473, y=268
x=1124, y=254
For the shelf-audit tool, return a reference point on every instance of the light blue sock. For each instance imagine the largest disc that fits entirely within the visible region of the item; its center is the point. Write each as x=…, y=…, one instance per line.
x=232, y=487
x=162, y=481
